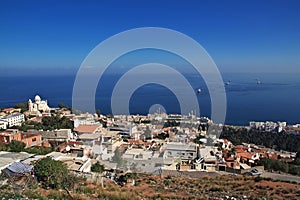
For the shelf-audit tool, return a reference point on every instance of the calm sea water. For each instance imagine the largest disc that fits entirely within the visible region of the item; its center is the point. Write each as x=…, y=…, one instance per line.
x=277, y=99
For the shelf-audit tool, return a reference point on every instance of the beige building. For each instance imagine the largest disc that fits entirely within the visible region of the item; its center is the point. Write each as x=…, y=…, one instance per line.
x=38, y=105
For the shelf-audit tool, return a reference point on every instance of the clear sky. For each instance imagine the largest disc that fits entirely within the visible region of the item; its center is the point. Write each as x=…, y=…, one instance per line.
x=241, y=36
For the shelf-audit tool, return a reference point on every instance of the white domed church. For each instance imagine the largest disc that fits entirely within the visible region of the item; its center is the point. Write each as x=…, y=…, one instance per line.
x=38, y=105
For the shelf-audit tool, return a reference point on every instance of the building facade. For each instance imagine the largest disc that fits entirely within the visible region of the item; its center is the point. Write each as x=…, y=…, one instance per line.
x=38, y=105
x=14, y=119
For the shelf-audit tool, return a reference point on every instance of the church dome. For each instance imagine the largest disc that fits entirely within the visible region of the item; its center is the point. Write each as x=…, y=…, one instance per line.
x=37, y=98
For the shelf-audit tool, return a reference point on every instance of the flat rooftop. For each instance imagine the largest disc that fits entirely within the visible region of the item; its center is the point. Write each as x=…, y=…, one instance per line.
x=6, y=158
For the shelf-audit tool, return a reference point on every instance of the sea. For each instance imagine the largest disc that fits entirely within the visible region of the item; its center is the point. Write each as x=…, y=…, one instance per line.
x=250, y=97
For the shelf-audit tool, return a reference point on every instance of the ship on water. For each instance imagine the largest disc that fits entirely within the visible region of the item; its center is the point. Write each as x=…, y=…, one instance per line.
x=228, y=82
x=258, y=82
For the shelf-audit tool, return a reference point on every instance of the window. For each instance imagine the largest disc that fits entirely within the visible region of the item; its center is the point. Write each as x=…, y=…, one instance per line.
x=33, y=139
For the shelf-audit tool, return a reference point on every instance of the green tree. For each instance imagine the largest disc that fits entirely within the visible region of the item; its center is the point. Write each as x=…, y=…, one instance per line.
x=38, y=150
x=279, y=141
x=23, y=106
x=50, y=122
x=66, y=123
x=97, y=167
x=297, y=159
x=163, y=136
x=54, y=122
x=16, y=146
x=53, y=174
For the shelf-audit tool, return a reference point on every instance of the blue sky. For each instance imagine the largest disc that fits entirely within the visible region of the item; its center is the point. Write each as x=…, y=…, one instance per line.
x=241, y=36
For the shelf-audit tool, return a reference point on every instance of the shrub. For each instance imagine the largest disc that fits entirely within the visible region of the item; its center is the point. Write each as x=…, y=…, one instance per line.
x=54, y=174
x=258, y=179
x=16, y=146
x=97, y=167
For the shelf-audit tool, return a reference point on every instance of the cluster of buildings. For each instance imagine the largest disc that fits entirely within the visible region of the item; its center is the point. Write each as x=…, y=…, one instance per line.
x=268, y=126
x=275, y=127
x=137, y=143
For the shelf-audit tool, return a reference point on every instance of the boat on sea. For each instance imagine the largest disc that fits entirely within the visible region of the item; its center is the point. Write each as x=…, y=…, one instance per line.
x=258, y=82
x=228, y=82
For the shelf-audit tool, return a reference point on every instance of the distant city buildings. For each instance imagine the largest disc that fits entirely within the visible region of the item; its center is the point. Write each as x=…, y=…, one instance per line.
x=85, y=119
x=268, y=126
x=150, y=143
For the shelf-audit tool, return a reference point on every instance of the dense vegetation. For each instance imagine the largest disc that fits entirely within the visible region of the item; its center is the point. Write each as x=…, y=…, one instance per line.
x=163, y=136
x=183, y=124
x=55, y=122
x=97, y=167
x=278, y=165
x=17, y=146
x=23, y=106
x=54, y=174
x=278, y=141
x=48, y=123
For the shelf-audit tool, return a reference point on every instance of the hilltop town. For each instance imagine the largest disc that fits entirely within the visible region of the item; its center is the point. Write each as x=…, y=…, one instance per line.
x=159, y=144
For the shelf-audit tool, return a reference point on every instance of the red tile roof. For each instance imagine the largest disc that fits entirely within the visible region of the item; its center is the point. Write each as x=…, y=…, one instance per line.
x=137, y=142
x=74, y=143
x=245, y=155
x=86, y=128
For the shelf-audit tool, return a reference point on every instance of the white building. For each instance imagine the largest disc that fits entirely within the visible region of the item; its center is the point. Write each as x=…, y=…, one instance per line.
x=281, y=126
x=85, y=119
x=14, y=119
x=181, y=150
x=38, y=105
x=3, y=124
x=268, y=126
x=105, y=147
x=257, y=125
x=141, y=160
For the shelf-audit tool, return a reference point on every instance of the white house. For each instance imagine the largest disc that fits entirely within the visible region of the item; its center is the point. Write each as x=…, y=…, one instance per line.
x=3, y=124
x=14, y=119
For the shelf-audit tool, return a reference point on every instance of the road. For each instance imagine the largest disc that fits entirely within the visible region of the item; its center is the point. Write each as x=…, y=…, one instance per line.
x=282, y=177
